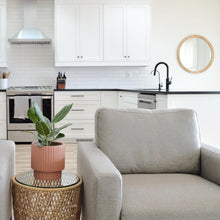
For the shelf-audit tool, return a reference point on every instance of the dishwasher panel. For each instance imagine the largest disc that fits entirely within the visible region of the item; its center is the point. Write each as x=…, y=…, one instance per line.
x=146, y=101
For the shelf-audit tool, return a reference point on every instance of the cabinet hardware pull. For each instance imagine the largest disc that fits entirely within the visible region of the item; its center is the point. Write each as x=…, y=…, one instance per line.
x=81, y=56
x=147, y=102
x=77, y=129
x=78, y=110
x=77, y=56
x=125, y=56
x=77, y=95
x=128, y=56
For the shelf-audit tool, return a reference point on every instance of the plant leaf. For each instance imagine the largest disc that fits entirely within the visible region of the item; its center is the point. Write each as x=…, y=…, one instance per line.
x=41, y=136
x=47, y=121
x=38, y=112
x=42, y=128
x=42, y=139
x=55, y=131
x=31, y=133
x=62, y=113
x=32, y=115
x=60, y=135
x=36, y=135
x=39, y=144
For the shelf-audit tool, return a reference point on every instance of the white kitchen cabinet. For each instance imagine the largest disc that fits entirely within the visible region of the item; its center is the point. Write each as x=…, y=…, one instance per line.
x=138, y=31
x=3, y=128
x=3, y=39
x=207, y=107
x=127, y=34
x=82, y=114
x=78, y=33
x=80, y=129
x=114, y=33
x=90, y=33
x=161, y=101
x=83, y=109
x=109, y=99
x=66, y=38
x=128, y=99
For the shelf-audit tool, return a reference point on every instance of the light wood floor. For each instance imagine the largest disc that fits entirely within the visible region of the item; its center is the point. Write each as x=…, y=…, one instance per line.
x=23, y=158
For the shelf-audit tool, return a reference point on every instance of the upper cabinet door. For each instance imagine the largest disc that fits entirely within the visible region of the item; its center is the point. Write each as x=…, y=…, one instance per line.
x=138, y=30
x=114, y=33
x=90, y=33
x=3, y=41
x=65, y=33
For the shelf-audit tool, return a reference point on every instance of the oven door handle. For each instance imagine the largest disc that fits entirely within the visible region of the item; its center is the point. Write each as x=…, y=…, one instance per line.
x=43, y=97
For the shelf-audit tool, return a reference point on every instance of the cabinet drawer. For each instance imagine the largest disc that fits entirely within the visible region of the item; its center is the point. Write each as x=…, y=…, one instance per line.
x=77, y=96
x=78, y=129
x=3, y=134
x=2, y=97
x=2, y=110
x=80, y=109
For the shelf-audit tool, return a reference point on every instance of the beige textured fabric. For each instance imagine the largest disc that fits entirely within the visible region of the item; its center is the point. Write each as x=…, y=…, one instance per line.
x=146, y=141
x=210, y=163
x=102, y=184
x=7, y=163
x=169, y=197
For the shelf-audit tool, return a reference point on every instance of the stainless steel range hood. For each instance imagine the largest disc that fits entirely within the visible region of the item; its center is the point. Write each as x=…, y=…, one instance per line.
x=30, y=34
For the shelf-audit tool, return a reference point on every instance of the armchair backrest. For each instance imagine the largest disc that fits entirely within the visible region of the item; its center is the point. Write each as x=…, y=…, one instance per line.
x=149, y=141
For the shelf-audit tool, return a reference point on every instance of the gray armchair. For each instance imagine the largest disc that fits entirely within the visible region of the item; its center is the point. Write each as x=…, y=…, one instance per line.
x=7, y=169
x=149, y=165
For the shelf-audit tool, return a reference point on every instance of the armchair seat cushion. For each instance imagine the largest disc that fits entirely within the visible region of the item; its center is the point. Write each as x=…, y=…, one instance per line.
x=169, y=197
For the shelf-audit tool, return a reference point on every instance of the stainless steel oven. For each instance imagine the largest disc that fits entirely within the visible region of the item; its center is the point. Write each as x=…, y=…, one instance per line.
x=17, y=124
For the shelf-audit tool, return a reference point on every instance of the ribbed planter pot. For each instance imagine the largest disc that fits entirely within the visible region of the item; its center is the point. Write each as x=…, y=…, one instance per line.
x=48, y=161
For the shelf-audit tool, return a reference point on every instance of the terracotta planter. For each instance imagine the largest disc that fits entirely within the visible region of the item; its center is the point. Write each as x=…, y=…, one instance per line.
x=48, y=161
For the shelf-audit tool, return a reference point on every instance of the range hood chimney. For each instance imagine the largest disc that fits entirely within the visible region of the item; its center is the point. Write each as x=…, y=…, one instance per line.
x=30, y=34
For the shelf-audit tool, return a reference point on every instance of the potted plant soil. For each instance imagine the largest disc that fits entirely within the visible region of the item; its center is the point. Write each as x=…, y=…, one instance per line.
x=47, y=154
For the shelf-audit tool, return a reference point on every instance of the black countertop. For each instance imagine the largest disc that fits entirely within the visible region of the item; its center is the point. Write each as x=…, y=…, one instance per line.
x=143, y=91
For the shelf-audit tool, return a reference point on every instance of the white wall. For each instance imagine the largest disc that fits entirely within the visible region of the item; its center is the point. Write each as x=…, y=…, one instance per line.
x=172, y=20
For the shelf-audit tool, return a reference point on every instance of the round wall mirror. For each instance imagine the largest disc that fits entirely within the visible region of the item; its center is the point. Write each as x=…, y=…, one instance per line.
x=195, y=54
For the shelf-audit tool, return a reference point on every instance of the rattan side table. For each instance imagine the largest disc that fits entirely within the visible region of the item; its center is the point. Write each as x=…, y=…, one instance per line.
x=40, y=199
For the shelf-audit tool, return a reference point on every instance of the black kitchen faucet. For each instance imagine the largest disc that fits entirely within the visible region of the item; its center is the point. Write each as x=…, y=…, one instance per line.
x=168, y=81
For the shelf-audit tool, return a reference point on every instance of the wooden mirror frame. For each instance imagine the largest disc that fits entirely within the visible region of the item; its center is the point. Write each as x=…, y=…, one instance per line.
x=211, y=48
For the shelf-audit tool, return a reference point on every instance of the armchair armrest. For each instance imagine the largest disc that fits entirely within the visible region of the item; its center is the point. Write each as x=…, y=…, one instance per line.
x=102, y=184
x=7, y=169
x=210, y=163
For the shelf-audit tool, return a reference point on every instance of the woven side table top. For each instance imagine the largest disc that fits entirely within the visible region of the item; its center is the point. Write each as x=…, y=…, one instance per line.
x=35, y=199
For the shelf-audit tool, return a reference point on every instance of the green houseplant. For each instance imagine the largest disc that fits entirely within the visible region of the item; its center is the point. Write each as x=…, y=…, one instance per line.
x=47, y=155
x=46, y=133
